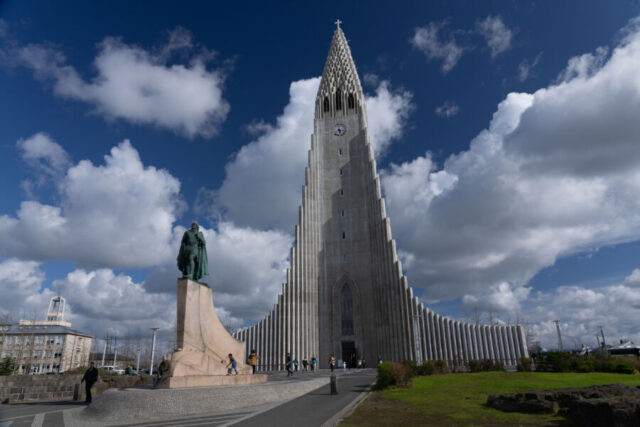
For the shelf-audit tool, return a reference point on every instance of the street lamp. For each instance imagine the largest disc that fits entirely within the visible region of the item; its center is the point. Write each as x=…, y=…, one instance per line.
x=153, y=349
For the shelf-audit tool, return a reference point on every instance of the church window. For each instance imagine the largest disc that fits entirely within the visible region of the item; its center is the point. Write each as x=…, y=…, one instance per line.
x=326, y=104
x=339, y=151
x=338, y=100
x=351, y=102
x=340, y=171
x=342, y=213
x=344, y=235
x=341, y=192
x=346, y=310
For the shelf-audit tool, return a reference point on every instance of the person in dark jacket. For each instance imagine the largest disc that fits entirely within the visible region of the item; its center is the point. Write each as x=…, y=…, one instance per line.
x=164, y=370
x=89, y=378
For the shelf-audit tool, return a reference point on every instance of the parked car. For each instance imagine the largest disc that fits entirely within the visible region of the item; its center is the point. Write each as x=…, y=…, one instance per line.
x=112, y=369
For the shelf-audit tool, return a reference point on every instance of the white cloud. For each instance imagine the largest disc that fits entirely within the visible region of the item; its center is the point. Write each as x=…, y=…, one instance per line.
x=271, y=168
x=427, y=40
x=583, y=311
x=246, y=269
x=584, y=66
x=496, y=33
x=500, y=298
x=140, y=86
x=21, y=290
x=448, y=109
x=555, y=173
x=525, y=68
x=44, y=154
x=633, y=279
x=119, y=214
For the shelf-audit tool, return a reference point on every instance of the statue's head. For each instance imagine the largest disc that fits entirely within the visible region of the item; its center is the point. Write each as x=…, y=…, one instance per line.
x=195, y=226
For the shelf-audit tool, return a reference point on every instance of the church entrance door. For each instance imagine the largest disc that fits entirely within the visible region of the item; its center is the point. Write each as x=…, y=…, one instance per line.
x=349, y=353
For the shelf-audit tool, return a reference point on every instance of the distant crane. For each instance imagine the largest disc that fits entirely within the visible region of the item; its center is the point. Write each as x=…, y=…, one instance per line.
x=557, y=322
x=604, y=345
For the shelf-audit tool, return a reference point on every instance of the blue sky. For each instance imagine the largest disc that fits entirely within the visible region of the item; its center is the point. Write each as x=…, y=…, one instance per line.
x=78, y=79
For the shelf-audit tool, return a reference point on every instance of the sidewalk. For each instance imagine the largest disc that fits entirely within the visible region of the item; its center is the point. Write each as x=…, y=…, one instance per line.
x=317, y=408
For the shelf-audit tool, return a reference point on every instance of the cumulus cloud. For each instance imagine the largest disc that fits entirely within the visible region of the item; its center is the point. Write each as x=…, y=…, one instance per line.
x=119, y=214
x=427, y=39
x=496, y=33
x=554, y=174
x=140, y=86
x=21, y=290
x=271, y=168
x=246, y=270
x=448, y=109
x=44, y=154
x=582, y=311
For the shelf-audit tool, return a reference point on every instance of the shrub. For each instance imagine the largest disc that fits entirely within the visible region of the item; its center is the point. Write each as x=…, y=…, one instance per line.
x=393, y=373
x=440, y=366
x=485, y=365
x=555, y=361
x=604, y=365
x=583, y=364
x=427, y=368
x=524, y=364
x=6, y=366
x=412, y=366
x=385, y=379
x=623, y=367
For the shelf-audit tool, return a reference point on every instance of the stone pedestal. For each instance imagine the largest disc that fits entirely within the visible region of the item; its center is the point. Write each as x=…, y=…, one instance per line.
x=204, y=344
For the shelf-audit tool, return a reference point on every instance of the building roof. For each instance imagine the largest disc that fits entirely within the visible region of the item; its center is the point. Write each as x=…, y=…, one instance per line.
x=15, y=329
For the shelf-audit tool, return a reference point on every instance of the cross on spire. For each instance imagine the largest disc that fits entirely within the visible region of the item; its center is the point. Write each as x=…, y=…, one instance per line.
x=338, y=22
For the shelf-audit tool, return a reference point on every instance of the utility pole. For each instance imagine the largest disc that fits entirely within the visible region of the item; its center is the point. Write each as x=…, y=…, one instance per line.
x=153, y=349
x=138, y=362
x=104, y=353
x=604, y=345
x=559, y=336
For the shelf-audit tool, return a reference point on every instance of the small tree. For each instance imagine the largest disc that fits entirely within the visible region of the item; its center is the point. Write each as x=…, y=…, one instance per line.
x=6, y=365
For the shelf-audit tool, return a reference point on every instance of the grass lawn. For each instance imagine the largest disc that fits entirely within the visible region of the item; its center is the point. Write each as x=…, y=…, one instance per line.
x=458, y=399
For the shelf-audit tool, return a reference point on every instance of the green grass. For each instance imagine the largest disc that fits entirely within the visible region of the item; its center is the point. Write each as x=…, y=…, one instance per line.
x=458, y=399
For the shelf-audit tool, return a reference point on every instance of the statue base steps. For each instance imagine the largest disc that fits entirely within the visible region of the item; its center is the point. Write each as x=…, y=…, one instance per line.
x=212, y=380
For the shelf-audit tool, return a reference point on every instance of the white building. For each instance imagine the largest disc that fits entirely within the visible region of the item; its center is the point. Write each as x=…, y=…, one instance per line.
x=45, y=346
x=346, y=293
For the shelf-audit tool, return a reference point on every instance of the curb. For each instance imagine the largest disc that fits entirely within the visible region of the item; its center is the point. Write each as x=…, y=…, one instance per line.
x=347, y=410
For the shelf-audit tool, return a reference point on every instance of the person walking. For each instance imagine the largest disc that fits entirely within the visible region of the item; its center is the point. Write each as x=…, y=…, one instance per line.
x=253, y=360
x=305, y=363
x=232, y=365
x=314, y=364
x=89, y=378
x=164, y=370
x=332, y=362
x=295, y=364
x=289, y=371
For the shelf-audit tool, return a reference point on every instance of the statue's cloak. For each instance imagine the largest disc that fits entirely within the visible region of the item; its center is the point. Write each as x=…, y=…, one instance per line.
x=193, y=243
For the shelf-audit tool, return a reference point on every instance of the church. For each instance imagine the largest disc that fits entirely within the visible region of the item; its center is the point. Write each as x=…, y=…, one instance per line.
x=345, y=292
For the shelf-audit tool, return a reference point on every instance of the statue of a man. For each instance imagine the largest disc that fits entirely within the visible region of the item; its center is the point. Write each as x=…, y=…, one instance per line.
x=192, y=258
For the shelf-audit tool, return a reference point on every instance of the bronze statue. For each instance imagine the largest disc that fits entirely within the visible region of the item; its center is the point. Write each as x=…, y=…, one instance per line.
x=192, y=258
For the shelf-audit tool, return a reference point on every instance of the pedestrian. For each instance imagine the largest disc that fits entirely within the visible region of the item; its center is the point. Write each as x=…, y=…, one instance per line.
x=332, y=362
x=295, y=364
x=90, y=378
x=305, y=363
x=164, y=370
x=344, y=364
x=314, y=364
x=232, y=365
x=289, y=371
x=253, y=360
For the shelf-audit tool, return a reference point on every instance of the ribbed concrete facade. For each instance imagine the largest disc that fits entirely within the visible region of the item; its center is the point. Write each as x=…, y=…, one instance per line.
x=345, y=292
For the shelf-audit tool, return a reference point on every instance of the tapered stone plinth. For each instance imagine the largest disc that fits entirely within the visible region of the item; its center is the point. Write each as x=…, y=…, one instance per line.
x=204, y=344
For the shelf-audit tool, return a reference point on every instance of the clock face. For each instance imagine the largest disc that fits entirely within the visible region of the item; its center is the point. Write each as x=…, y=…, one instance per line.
x=340, y=130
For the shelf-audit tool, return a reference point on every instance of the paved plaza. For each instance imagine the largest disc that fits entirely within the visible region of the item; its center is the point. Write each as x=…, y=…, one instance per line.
x=315, y=408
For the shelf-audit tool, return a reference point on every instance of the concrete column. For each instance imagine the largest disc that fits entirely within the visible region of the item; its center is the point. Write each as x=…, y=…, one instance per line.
x=508, y=346
x=502, y=351
x=512, y=347
x=485, y=342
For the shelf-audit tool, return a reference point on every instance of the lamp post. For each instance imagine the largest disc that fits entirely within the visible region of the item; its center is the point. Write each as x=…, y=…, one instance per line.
x=153, y=349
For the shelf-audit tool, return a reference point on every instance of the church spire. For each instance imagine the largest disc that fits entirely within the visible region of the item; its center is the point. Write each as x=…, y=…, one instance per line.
x=340, y=88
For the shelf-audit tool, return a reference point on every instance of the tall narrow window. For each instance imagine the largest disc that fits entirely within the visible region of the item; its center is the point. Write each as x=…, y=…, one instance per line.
x=341, y=192
x=346, y=310
x=339, y=151
x=340, y=171
x=326, y=104
x=344, y=235
x=351, y=102
x=342, y=213
x=338, y=100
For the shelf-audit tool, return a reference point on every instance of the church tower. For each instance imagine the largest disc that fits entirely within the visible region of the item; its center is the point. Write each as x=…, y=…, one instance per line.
x=345, y=292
